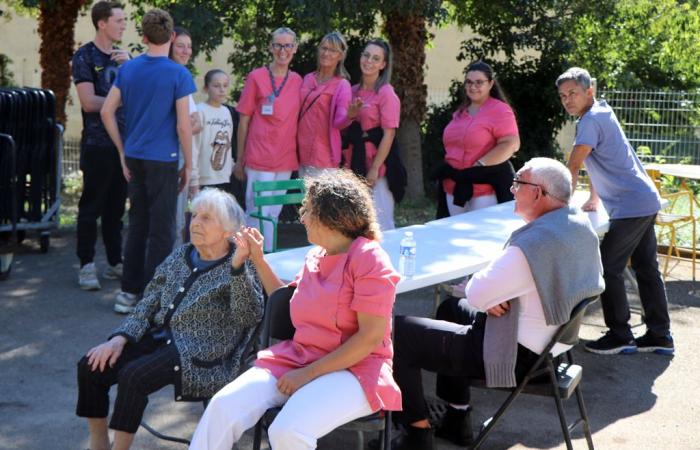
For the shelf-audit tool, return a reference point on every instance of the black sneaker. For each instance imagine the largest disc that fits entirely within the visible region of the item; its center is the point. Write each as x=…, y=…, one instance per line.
x=611, y=345
x=659, y=345
x=456, y=426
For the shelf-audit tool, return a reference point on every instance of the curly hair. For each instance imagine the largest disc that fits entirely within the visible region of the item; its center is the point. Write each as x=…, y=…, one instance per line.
x=341, y=201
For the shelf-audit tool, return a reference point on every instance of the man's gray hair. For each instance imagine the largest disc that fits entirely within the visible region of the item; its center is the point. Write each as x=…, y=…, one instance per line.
x=552, y=175
x=577, y=74
x=223, y=205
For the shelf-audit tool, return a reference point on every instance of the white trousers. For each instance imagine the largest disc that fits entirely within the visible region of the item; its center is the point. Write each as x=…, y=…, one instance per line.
x=311, y=171
x=273, y=211
x=475, y=203
x=310, y=413
x=384, y=204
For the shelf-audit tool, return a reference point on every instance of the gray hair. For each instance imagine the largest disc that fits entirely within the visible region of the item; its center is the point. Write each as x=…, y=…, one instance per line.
x=283, y=30
x=552, y=175
x=223, y=205
x=577, y=74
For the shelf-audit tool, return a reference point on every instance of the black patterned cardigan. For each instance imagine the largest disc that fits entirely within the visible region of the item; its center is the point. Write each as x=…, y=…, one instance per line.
x=211, y=316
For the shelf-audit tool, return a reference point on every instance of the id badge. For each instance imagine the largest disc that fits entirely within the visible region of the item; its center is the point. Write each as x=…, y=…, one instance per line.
x=268, y=108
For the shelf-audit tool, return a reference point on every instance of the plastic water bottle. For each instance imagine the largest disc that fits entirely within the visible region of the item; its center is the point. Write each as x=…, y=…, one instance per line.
x=407, y=256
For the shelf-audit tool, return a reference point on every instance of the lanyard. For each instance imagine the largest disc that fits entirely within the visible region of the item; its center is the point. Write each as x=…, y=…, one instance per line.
x=276, y=92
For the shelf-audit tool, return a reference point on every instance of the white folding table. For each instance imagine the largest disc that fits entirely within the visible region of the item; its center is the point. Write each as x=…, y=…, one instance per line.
x=448, y=248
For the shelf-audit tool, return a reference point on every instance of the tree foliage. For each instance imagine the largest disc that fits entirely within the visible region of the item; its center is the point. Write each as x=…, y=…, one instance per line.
x=56, y=29
x=649, y=44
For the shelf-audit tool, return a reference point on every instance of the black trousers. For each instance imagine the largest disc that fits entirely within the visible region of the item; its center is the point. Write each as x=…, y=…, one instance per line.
x=153, y=198
x=452, y=350
x=142, y=368
x=104, y=197
x=633, y=239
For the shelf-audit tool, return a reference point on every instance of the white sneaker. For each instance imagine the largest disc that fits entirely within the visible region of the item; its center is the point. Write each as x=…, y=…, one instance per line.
x=114, y=272
x=125, y=302
x=87, y=278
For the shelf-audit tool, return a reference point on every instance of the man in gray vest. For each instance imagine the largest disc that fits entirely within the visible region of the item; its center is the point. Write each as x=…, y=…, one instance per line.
x=512, y=308
x=632, y=202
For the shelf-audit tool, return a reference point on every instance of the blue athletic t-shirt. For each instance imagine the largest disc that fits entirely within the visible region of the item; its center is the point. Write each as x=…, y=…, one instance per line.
x=615, y=171
x=149, y=87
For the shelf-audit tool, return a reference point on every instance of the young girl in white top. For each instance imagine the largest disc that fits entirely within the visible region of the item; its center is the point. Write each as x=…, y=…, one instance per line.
x=212, y=159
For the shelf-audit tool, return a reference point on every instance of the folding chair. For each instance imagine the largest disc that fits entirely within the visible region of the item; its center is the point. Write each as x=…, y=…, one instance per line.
x=563, y=382
x=277, y=324
x=265, y=195
x=669, y=221
x=248, y=354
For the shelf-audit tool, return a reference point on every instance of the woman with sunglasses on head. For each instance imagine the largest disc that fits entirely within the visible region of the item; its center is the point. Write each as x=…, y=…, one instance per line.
x=267, y=131
x=181, y=52
x=325, y=95
x=375, y=110
x=482, y=133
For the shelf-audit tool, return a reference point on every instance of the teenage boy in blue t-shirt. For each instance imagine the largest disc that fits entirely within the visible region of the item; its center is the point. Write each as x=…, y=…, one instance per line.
x=153, y=91
x=632, y=202
x=95, y=67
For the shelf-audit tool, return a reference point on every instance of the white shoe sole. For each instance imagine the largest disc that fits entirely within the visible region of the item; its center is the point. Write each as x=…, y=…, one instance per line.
x=90, y=287
x=122, y=309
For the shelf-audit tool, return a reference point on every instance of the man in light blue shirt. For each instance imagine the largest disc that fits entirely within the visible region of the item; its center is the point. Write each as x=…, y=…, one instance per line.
x=619, y=180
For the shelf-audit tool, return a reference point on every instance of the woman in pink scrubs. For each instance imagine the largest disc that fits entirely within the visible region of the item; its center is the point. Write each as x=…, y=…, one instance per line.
x=338, y=366
x=267, y=131
x=325, y=95
x=483, y=132
x=375, y=104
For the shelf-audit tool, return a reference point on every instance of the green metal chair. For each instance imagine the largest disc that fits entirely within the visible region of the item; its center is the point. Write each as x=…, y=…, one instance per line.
x=266, y=194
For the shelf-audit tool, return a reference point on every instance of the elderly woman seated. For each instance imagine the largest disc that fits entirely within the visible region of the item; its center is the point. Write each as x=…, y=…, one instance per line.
x=337, y=367
x=195, y=320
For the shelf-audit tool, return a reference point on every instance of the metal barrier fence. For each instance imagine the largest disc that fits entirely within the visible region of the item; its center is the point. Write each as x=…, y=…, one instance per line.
x=667, y=122
x=71, y=155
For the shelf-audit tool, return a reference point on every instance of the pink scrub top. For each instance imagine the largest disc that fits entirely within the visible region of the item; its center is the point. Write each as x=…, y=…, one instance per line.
x=380, y=109
x=467, y=138
x=271, y=142
x=324, y=111
x=331, y=290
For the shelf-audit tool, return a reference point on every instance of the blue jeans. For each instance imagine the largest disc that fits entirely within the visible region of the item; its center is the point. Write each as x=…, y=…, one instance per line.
x=634, y=239
x=153, y=196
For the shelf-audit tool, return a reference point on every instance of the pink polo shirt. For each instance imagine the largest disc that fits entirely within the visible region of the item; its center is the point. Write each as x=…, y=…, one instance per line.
x=331, y=290
x=324, y=110
x=380, y=109
x=467, y=138
x=271, y=142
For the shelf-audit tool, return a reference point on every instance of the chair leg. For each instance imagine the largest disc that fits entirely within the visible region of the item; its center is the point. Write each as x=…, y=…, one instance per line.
x=584, y=417
x=488, y=425
x=162, y=436
x=387, y=431
x=560, y=406
x=257, y=437
x=360, y=440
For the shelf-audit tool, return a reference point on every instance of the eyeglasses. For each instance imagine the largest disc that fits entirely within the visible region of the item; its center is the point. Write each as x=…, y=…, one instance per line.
x=325, y=49
x=517, y=183
x=370, y=57
x=477, y=83
x=280, y=47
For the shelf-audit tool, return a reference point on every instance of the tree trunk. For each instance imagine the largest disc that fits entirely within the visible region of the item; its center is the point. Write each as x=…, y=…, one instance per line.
x=56, y=30
x=408, y=36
